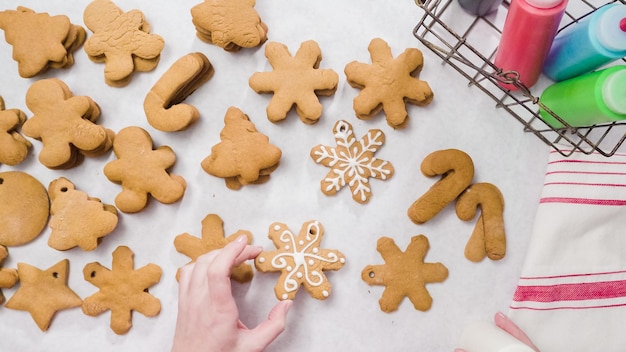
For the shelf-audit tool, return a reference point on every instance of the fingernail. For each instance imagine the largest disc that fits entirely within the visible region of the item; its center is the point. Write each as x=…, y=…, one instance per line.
x=242, y=239
x=288, y=305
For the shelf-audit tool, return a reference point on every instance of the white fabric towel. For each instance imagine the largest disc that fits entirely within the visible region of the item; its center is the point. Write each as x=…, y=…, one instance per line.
x=571, y=294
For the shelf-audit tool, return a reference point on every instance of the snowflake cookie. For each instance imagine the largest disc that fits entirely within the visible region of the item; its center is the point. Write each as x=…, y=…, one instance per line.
x=352, y=162
x=300, y=260
x=404, y=274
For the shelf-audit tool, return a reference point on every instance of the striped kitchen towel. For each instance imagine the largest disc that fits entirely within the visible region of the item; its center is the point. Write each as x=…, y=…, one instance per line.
x=571, y=294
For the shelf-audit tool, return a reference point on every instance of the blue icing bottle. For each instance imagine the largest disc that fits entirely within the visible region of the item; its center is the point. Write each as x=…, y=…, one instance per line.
x=596, y=40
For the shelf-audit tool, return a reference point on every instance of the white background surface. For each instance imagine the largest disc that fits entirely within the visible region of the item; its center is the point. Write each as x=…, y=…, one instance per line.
x=350, y=320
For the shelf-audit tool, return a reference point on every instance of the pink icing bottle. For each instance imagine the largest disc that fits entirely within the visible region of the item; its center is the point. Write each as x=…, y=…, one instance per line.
x=528, y=32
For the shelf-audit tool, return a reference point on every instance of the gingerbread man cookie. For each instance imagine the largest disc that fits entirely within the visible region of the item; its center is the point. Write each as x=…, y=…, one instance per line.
x=13, y=146
x=229, y=24
x=42, y=293
x=352, y=162
x=300, y=260
x=122, y=290
x=404, y=274
x=65, y=124
x=388, y=84
x=212, y=239
x=77, y=219
x=244, y=155
x=142, y=171
x=295, y=81
x=8, y=277
x=122, y=40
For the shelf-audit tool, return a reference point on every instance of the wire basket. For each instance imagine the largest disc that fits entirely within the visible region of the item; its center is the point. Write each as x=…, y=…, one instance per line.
x=449, y=32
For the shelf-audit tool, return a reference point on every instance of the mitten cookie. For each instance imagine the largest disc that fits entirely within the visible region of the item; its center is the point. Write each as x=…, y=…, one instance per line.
x=163, y=103
x=121, y=40
x=77, y=219
x=295, y=81
x=42, y=293
x=352, y=162
x=404, y=274
x=122, y=290
x=142, y=171
x=24, y=208
x=388, y=84
x=65, y=124
x=488, y=238
x=229, y=24
x=8, y=277
x=40, y=41
x=244, y=155
x=300, y=260
x=13, y=147
x=456, y=169
x=212, y=239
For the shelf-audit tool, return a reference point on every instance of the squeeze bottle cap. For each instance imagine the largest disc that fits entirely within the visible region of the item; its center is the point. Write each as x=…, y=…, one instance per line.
x=614, y=92
x=611, y=25
x=544, y=4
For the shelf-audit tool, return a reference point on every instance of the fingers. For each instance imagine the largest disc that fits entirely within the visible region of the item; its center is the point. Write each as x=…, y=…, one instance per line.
x=506, y=324
x=266, y=332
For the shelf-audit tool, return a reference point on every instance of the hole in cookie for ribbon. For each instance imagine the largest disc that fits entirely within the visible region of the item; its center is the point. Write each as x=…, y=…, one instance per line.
x=342, y=128
x=146, y=290
x=64, y=189
x=55, y=275
x=312, y=231
x=371, y=274
x=1, y=180
x=93, y=274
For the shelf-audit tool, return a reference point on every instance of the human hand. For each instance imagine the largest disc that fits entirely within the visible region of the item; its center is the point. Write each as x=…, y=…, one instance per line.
x=208, y=317
x=506, y=324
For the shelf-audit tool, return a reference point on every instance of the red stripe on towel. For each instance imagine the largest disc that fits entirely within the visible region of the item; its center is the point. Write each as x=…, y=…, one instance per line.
x=571, y=292
x=588, y=201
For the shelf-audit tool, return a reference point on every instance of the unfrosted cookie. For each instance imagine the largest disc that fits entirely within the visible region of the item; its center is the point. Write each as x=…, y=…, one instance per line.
x=142, y=171
x=295, y=81
x=122, y=40
x=300, y=260
x=404, y=274
x=388, y=84
x=213, y=238
x=122, y=289
x=24, y=208
x=13, y=146
x=77, y=220
x=352, y=162
x=229, y=24
x=244, y=155
x=42, y=293
x=8, y=277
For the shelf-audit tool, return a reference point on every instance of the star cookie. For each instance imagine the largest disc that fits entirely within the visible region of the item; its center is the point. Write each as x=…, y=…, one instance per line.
x=388, y=83
x=300, y=260
x=295, y=81
x=122, y=290
x=352, y=162
x=8, y=277
x=13, y=146
x=212, y=239
x=405, y=274
x=42, y=293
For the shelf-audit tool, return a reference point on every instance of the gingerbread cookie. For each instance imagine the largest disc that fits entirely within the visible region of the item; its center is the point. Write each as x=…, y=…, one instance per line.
x=244, y=155
x=65, y=124
x=388, y=84
x=122, y=290
x=300, y=260
x=295, y=81
x=352, y=162
x=404, y=274
x=121, y=40
x=77, y=219
x=42, y=293
x=212, y=239
x=8, y=277
x=456, y=169
x=13, y=146
x=163, y=103
x=488, y=238
x=40, y=41
x=24, y=208
x=142, y=171
x=229, y=24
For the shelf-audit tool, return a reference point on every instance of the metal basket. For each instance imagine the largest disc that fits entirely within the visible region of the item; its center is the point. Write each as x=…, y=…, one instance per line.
x=454, y=44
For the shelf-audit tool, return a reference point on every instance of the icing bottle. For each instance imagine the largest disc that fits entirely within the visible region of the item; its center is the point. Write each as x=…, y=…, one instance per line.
x=529, y=29
x=592, y=98
x=596, y=40
x=480, y=7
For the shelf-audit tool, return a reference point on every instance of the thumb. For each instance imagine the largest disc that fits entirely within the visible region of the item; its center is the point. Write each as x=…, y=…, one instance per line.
x=266, y=332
